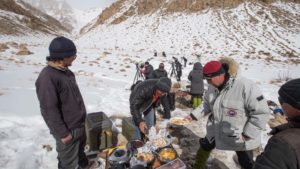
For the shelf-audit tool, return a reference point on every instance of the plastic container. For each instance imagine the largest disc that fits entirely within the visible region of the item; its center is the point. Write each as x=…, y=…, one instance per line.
x=99, y=131
x=128, y=129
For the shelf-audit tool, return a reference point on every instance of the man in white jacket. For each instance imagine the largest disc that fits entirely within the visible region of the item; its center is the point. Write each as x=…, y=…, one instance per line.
x=238, y=112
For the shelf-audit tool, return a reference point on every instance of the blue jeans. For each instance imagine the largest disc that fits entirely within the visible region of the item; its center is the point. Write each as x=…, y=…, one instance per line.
x=149, y=119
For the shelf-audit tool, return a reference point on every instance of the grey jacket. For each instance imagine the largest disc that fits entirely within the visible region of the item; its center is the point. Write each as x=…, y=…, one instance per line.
x=61, y=103
x=148, y=71
x=196, y=78
x=239, y=108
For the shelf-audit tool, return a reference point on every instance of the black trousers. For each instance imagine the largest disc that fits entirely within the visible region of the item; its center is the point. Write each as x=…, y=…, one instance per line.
x=71, y=154
x=245, y=158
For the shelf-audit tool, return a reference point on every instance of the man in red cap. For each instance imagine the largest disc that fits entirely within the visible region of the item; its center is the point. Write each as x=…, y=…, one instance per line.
x=237, y=110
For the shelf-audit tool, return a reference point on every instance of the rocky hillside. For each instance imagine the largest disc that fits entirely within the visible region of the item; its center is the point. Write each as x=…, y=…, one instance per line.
x=251, y=30
x=19, y=18
x=59, y=9
x=124, y=9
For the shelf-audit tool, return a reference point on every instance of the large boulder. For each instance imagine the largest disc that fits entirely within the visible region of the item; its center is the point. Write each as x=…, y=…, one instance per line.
x=3, y=47
x=23, y=50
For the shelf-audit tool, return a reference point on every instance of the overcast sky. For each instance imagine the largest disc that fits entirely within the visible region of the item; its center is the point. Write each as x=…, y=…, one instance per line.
x=87, y=4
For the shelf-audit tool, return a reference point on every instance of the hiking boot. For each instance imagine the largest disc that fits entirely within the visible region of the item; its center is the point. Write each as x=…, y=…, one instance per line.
x=201, y=158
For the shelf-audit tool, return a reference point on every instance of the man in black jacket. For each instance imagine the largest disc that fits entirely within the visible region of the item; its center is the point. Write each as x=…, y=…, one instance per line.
x=61, y=104
x=283, y=148
x=156, y=74
x=160, y=72
x=147, y=71
x=143, y=99
x=178, y=67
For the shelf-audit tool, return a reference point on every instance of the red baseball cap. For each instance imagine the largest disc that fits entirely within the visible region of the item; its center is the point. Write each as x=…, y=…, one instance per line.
x=212, y=69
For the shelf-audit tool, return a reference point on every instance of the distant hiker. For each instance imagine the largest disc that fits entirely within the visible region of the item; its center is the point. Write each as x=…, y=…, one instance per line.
x=237, y=110
x=160, y=72
x=197, y=86
x=155, y=53
x=147, y=70
x=178, y=68
x=283, y=148
x=62, y=106
x=143, y=99
x=184, y=60
x=164, y=54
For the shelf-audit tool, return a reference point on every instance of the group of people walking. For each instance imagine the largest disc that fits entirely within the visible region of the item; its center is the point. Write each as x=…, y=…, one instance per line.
x=237, y=110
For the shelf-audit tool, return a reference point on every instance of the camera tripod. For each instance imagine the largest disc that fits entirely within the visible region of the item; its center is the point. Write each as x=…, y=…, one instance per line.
x=172, y=70
x=138, y=75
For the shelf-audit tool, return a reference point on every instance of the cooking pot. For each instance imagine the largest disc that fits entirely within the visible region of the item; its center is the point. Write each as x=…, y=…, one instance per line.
x=120, y=155
x=135, y=144
x=166, y=155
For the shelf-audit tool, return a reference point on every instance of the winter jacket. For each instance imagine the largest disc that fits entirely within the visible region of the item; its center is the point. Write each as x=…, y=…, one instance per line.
x=196, y=78
x=61, y=103
x=157, y=73
x=178, y=66
x=239, y=108
x=148, y=71
x=283, y=149
x=141, y=99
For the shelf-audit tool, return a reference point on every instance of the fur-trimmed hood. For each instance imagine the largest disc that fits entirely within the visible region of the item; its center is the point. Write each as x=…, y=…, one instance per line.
x=230, y=66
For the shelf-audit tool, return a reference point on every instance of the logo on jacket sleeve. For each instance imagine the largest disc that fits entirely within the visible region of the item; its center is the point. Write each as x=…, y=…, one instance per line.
x=232, y=113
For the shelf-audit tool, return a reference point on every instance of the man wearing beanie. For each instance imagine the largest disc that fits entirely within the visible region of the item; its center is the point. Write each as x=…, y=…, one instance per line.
x=143, y=100
x=197, y=86
x=283, y=148
x=237, y=110
x=61, y=104
x=160, y=72
x=147, y=70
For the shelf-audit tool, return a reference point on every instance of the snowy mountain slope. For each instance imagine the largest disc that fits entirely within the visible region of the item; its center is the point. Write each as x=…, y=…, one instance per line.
x=84, y=17
x=121, y=10
x=59, y=9
x=251, y=30
x=73, y=19
x=18, y=18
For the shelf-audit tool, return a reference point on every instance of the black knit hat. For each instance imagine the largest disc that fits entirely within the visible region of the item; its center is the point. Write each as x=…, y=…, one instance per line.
x=290, y=93
x=164, y=84
x=61, y=47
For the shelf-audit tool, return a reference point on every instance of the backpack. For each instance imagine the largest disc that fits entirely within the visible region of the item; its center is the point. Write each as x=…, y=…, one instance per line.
x=134, y=84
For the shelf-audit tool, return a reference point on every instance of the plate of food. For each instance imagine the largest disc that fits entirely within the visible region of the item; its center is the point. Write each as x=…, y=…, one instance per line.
x=180, y=121
x=160, y=142
x=146, y=157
